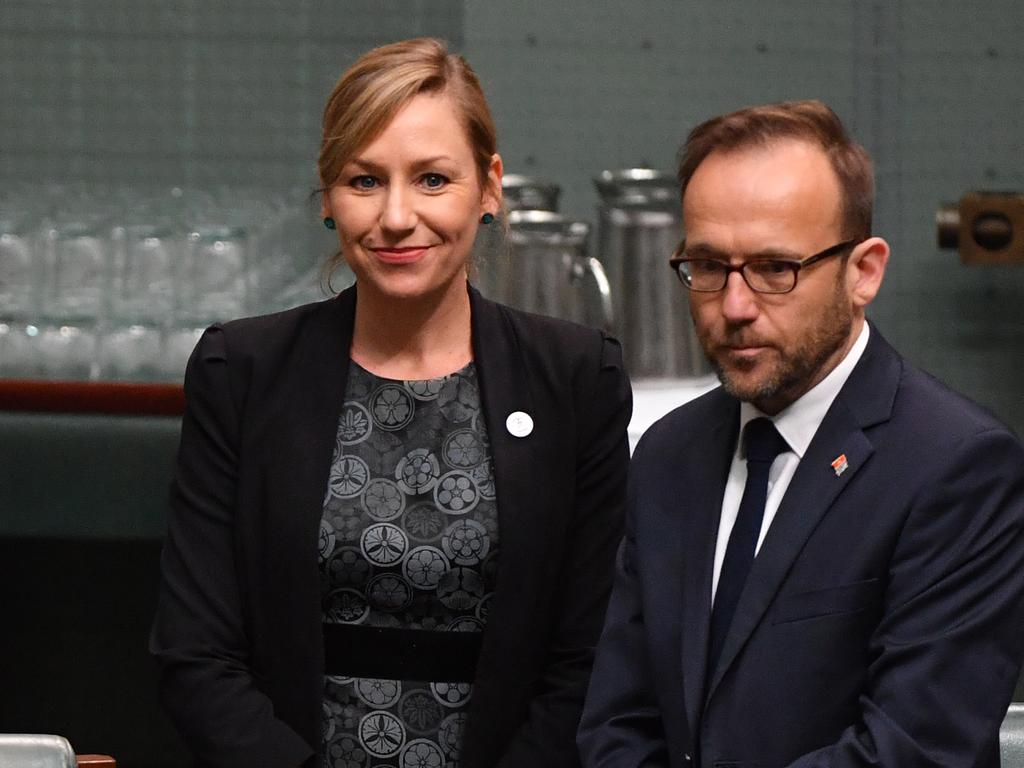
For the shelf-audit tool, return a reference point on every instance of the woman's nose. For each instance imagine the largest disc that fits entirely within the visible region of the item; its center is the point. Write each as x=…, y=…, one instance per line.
x=398, y=213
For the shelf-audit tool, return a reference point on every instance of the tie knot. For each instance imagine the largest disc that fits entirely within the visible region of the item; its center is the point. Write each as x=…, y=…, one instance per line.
x=762, y=441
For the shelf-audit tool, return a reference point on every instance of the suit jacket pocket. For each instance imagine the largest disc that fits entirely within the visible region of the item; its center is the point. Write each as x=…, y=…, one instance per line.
x=845, y=598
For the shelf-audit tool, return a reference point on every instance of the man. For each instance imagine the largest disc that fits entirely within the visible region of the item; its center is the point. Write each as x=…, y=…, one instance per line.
x=839, y=583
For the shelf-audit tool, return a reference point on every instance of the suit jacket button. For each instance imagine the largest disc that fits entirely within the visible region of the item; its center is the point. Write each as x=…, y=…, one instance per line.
x=687, y=758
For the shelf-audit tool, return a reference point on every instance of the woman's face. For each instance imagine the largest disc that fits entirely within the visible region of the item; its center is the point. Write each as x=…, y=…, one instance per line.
x=408, y=204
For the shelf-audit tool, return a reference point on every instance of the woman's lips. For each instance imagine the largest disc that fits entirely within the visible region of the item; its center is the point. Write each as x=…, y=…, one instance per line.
x=404, y=255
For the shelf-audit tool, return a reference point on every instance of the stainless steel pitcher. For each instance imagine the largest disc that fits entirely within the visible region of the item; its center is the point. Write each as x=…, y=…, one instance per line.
x=548, y=271
x=639, y=224
x=525, y=193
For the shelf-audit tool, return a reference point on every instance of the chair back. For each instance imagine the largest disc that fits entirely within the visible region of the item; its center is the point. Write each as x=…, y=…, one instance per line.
x=1011, y=738
x=31, y=750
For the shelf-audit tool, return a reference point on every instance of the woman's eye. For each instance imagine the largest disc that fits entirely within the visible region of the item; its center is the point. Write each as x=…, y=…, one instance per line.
x=433, y=180
x=363, y=182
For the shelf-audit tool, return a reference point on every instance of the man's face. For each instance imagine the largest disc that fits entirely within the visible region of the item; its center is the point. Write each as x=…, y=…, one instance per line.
x=776, y=201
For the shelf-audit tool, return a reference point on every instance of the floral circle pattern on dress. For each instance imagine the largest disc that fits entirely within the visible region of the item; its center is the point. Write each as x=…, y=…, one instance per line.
x=345, y=606
x=383, y=500
x=421, y=753
x=465, y=542
x=458, y=398
x=451, y=694
x=327, y=719
x=349, y=475
x=347, y=567
x=424, y=522
x=392, y=407
x=466, y=624
x=424, y=566
x=425, y=389
x=326, y=540
x=376, y=692
x=483, y=608
x=449, y=734
x=397, y=559
x=455, y=493
x=483, y=479
x=420, y=711
x=389, y=592
x=383, y=544
x=345, y=752
x=460, y=589
x=463, y=449
x=417, y=471
x=354, y=424
x=381, y=734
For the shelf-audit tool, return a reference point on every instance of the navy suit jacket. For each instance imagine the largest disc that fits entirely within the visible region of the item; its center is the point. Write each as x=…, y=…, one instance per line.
x=238, y=631
x=881, y=623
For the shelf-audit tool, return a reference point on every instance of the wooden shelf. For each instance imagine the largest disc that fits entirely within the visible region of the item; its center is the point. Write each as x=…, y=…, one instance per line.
x=109, y=397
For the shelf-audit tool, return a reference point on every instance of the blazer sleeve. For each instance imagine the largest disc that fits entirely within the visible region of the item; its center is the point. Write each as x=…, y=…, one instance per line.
x=602, y=458
x=621, y=725
x=199, y=636
x=947, y=651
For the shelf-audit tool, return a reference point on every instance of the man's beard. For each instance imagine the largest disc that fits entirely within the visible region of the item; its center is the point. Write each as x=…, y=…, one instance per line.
x=796, y=372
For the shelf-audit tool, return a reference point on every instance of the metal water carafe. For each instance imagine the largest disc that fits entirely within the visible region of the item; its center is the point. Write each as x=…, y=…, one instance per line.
x=493, y=271
x=550, y=272
x=526, y=193
x=639, y=225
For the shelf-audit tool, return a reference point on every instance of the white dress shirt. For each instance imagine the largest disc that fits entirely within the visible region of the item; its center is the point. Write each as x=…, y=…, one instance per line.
x=797, y=424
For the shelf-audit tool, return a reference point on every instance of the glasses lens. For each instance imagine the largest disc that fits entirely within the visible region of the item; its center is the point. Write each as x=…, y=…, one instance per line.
x=770, y=276
x=703, y=274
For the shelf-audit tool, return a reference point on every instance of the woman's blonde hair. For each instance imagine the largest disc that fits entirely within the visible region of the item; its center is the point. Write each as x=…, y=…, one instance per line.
x=381, y=82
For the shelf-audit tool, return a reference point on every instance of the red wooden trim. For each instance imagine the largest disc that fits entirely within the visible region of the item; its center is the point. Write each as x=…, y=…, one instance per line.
x=113, y=397
x=98, y=761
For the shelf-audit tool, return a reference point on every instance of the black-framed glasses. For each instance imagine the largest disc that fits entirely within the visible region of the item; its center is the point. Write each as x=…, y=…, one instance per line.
x=762, y=275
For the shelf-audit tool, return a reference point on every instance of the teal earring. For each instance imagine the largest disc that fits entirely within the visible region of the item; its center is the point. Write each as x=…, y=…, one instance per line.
x=487, y=218
x=329, y=222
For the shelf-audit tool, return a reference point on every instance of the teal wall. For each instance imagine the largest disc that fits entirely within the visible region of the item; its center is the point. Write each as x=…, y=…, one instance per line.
x=226, y=92
x=194, y=92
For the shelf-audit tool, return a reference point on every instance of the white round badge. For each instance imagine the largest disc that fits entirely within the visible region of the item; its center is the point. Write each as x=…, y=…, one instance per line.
x=519, y=424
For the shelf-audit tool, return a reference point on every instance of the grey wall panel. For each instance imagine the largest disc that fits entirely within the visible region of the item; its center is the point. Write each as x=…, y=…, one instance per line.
x=201, y=93
x=184, y=92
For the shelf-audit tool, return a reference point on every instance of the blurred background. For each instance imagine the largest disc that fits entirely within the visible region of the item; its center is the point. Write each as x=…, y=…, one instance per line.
x=157, y=161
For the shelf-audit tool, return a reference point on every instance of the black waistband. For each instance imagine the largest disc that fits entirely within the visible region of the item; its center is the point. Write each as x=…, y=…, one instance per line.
x=354, y=650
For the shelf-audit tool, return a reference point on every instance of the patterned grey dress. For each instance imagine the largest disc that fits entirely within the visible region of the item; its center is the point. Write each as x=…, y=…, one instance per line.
x=408, y=541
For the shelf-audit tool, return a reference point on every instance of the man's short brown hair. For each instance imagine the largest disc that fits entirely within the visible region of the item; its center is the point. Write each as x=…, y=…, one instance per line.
x=810, y=121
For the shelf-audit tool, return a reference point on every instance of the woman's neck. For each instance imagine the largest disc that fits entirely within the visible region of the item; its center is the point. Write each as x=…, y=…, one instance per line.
x=410, y=339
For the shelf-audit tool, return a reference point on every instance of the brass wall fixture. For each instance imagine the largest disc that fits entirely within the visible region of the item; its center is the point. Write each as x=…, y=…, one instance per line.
x=986, y=227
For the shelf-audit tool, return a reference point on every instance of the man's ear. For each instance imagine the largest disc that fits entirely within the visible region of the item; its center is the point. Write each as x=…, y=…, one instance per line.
x=865, y=269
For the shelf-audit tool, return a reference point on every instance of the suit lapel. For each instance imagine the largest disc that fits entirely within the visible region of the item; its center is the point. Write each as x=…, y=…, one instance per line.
x=518, y=461
x=315, y=405
x=866, y=399
x=297, y=450
x=702, y=488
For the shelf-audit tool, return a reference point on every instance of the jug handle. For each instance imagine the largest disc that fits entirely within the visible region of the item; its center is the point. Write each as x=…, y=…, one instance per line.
x=604, y=289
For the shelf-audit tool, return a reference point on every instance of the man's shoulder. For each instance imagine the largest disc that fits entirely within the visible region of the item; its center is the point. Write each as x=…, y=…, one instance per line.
x=891, y=393
x=691, y=423
x=925, y=403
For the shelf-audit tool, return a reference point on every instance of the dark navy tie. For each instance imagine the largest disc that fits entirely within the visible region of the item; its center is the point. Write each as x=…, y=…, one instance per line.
x=763, y=443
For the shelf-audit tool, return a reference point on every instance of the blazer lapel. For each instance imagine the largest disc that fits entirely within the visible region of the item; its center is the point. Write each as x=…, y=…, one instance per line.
x=315, y=405
x=518, y=461
x=866, y=399
x=297, y=450
x=702, y=489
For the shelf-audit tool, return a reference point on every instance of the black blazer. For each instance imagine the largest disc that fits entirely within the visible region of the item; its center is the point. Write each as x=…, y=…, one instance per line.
x=238, y=629
x=881, y=620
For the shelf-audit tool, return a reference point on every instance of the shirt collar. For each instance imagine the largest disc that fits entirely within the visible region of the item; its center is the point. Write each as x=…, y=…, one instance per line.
x=798, y=421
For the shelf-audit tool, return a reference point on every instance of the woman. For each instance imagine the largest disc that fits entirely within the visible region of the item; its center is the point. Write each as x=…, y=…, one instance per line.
x=395, y=512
